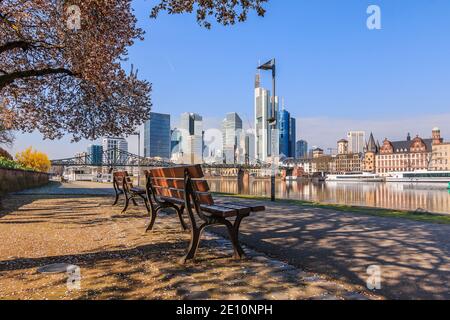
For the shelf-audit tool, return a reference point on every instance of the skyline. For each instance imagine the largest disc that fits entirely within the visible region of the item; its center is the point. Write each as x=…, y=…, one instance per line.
x=334, y=73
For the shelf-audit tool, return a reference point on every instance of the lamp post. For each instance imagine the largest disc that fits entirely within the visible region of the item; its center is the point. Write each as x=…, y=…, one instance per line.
x=272, y=120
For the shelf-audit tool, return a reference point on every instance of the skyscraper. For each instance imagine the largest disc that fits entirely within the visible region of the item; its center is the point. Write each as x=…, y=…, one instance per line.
x=191, y=128
x=287, y=132
x=157, y=138
x=263, y=135
x=175, y=141
x=95, y=154
x=292, y=137
x=111, y=147
x=356, y=141
x=249, y=148
x=232, y=131
x=301, y=150
x=284, y=121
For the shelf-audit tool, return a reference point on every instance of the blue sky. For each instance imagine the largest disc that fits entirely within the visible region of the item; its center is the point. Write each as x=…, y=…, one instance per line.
x=334, y=73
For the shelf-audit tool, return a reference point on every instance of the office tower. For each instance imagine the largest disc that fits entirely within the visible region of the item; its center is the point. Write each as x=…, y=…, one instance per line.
x=287, y=133
x=95, y=154
x=192, y=146
x=249, y=149
x=232, y=131
x=301, y=150
x=356, y=141
x=284, y=121
x=157, y=137
x=263, y=134
x=112, y=147
x=292, y=137
x=175, y=141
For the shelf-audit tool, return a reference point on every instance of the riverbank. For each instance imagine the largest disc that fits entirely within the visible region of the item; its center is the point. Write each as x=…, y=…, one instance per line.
x=379, y=212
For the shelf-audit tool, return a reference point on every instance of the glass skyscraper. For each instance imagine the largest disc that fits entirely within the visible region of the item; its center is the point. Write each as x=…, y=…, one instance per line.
x=292, y=137
x=287, y=131
x=232, y=130
x=192, y=146
x=157, y=136
x=95, y=154
x=284, y=131
x=301, y=150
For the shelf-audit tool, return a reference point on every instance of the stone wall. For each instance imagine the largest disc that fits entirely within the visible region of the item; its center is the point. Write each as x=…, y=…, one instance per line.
x=15, y=180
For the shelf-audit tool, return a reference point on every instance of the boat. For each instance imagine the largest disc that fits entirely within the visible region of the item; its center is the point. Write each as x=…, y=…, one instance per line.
x=419, y=176
x=362, y=177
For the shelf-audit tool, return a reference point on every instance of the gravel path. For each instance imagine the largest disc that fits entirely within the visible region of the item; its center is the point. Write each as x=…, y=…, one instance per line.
x=117, y=260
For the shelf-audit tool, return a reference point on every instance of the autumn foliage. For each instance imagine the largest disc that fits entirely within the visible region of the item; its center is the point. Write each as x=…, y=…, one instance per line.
x=33, y=159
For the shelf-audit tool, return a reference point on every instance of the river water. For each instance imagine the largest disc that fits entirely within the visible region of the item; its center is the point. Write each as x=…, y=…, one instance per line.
x=403, y=196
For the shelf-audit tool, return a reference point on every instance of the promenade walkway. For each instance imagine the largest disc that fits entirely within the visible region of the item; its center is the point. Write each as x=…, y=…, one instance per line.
x=57, y=223
x=75, y=224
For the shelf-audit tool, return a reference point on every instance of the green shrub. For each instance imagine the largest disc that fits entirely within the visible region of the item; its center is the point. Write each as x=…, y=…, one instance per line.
x=10, y=164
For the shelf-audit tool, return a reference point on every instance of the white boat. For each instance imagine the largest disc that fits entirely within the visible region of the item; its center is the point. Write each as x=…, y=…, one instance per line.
x=419, y=176
x=363, y=177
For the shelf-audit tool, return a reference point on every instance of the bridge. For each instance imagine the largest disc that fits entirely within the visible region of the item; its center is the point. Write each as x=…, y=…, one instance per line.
x=113, y=159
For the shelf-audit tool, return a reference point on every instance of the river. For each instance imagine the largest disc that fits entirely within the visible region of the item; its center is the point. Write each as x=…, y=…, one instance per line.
x=402, y=196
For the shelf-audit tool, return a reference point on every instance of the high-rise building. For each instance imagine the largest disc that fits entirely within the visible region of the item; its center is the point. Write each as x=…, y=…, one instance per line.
x=263, y=132
x=356, y=141
x=95, y=154
x=249, y=149
x=175, y=141
x=287, y=133
x=111, y=147
x=301, y=151
x=157, y=137
x=192, y=146
x=292, y=137
x=284, y=123
x=232, y=131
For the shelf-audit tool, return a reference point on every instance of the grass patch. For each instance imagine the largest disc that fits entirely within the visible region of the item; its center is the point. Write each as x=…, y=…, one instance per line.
x=371, y=211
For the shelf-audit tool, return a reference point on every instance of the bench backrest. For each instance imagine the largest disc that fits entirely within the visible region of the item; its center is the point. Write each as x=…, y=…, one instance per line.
x=118, y=178
x=169, y=182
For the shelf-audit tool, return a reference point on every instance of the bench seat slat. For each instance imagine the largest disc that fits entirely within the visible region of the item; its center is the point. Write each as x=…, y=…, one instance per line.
x=252, y=208
x=217, y=210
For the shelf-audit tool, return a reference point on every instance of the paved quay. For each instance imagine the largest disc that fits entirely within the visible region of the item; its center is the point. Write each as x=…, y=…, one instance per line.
x=117, y=260
x=413, y=257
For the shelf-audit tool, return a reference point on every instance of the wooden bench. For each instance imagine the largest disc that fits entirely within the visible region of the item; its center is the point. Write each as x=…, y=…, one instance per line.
x=117, y=184
x=124, y=185
x=186, y=188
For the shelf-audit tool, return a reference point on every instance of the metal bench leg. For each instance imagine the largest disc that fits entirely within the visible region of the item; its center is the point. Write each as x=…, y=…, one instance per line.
x=180, y=211
x=195, y=241
x=134, y=202
x=233, y=231
x=153, y=214
x=116, y=199
x=127, y=202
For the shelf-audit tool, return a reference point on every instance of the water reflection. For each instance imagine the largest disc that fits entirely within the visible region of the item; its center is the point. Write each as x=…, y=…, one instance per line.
x=403, y=196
